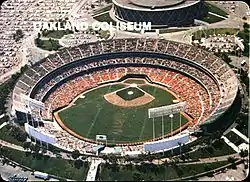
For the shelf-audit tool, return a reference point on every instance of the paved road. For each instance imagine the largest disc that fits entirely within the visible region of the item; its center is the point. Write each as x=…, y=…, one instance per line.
x=212, y=159
x=8, y=170
x=20, y=148
x=3, y=124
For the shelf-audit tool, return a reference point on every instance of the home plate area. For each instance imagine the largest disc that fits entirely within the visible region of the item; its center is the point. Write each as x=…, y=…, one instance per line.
x=131, y=96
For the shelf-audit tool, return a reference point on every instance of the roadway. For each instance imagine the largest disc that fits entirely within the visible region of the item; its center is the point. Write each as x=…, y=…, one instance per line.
x=8, y=170
x=212, y=159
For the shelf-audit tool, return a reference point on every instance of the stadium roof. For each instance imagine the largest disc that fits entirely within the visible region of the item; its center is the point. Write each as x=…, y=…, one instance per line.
x=150, y=5
x=156, y=3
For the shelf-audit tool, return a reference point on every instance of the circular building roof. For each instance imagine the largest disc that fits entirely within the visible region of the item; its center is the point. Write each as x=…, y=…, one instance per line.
x=156, y=3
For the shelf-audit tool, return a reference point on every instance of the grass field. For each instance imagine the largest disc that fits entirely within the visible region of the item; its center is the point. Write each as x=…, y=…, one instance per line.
x=211, y=18
x=217, y=150
x=55, y=166
x=56, y=34
x=6, y=136
x=124, y=93
x=234, y=138
x=105, y=17
x=130, y=81
x=214, y=9
x=93, y=115
x=206, y=32
x=150, y=172
x=48, y=45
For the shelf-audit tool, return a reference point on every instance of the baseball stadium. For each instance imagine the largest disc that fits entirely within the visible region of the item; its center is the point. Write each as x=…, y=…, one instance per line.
x=161, y=13
x=100, y=94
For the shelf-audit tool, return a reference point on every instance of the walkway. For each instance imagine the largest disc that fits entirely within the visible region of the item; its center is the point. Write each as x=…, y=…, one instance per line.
x=223, y=17
x=10, y=145
x=3, y=124
x=93, y=169
x=240, y=134
x=20, y=148
x=231, y=144
x=2, y=116
x=212, y=159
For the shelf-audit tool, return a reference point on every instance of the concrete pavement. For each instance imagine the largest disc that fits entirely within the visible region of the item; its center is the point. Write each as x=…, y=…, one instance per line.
x=3, y=124
x=93, y=169
x=240, y=135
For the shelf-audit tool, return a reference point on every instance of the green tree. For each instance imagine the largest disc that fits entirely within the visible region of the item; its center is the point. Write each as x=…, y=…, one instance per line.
x=137, y=176
x=37, y=148
x=183, y=157
x=246, y=26
x=26, y=145
x=234, y=166
x=231, y=159
x=243, y=153
x=207, y=167
x=32, y=147
x=179, y=171
x=78, y=163
x=75, y=154
x=18, y=35
x=112, y=158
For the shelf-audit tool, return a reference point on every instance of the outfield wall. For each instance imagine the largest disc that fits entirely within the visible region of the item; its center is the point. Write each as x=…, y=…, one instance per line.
x=166, y=144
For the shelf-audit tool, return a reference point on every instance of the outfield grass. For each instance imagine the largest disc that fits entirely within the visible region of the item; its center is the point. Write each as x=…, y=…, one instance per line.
x=93, y=115
x=153, y=173
x=124, y=93
x=55, y=166
x=131, y=81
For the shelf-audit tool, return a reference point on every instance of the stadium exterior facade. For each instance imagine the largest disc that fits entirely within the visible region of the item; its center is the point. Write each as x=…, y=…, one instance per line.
x=180, y=13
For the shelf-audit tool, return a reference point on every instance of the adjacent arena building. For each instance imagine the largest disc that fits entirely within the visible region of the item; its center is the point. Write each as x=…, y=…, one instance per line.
x=161, y=13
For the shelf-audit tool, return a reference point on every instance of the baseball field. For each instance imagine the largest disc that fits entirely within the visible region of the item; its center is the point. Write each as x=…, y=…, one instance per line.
x=120, y=112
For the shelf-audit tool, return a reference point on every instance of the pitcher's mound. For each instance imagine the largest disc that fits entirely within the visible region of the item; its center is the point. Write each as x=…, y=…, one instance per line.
x=129, y=97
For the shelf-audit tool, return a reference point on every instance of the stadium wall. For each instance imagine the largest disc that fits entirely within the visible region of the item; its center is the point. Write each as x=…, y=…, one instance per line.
x=166, y=144
x=39, y=135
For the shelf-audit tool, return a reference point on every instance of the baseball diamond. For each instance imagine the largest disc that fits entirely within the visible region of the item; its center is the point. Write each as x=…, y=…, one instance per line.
x=124, y=122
